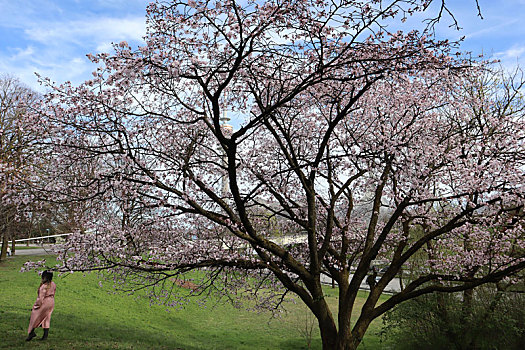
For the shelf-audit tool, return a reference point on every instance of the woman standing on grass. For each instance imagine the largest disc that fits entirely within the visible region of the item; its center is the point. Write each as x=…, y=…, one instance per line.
x=43, y=307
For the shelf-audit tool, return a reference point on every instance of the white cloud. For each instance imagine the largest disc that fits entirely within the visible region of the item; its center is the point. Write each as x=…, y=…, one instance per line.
x=74, y=69
x=57, y=49
x=511, y=58
x=104, y=47
x=21, y=53
x=492, y=29
x=98, y=31
x=512, y=53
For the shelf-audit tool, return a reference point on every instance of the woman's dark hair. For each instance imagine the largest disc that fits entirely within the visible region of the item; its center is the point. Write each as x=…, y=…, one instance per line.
x=47, y=276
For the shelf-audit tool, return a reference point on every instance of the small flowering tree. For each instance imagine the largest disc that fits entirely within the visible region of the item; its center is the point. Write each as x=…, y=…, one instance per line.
x=356, y=144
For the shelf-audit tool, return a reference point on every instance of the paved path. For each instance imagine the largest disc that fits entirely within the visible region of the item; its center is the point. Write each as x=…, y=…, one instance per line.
x=392, y=287
x=36, y=250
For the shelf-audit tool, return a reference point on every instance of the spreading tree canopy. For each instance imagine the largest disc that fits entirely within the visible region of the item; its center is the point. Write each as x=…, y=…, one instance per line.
x=355, y=144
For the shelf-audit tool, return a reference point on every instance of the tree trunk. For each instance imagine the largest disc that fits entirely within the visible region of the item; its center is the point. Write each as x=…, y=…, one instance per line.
x=351, y=340
x=13, y=243
x=328, y=335
x=468, y=297
x=340, y=342
x=3, y=252
x=326, y=323
x=345, y=338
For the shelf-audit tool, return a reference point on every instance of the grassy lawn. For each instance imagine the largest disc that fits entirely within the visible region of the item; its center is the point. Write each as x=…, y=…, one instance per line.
x=86, y=316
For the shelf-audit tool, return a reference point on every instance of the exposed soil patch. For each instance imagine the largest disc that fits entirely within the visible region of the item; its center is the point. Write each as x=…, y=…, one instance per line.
x=185, y=284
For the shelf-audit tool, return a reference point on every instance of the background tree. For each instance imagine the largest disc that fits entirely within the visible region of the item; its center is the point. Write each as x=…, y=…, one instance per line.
x=16, y=156
x=337, y=110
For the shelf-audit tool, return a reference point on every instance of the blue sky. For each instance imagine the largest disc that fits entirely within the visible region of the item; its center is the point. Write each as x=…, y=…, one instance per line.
x=52, y=37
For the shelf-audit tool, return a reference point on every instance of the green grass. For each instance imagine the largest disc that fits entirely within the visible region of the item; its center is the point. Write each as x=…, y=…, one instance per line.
x=86, y=316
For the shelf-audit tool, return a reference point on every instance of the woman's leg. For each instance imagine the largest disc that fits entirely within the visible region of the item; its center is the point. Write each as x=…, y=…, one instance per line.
x=46, y=332
x=31, y=335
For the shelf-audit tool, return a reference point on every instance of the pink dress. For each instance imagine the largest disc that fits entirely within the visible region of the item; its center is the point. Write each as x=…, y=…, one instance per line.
x=44, y=305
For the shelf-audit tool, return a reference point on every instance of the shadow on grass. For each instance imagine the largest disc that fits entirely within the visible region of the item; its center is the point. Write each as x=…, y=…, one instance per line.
x=74, y=332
